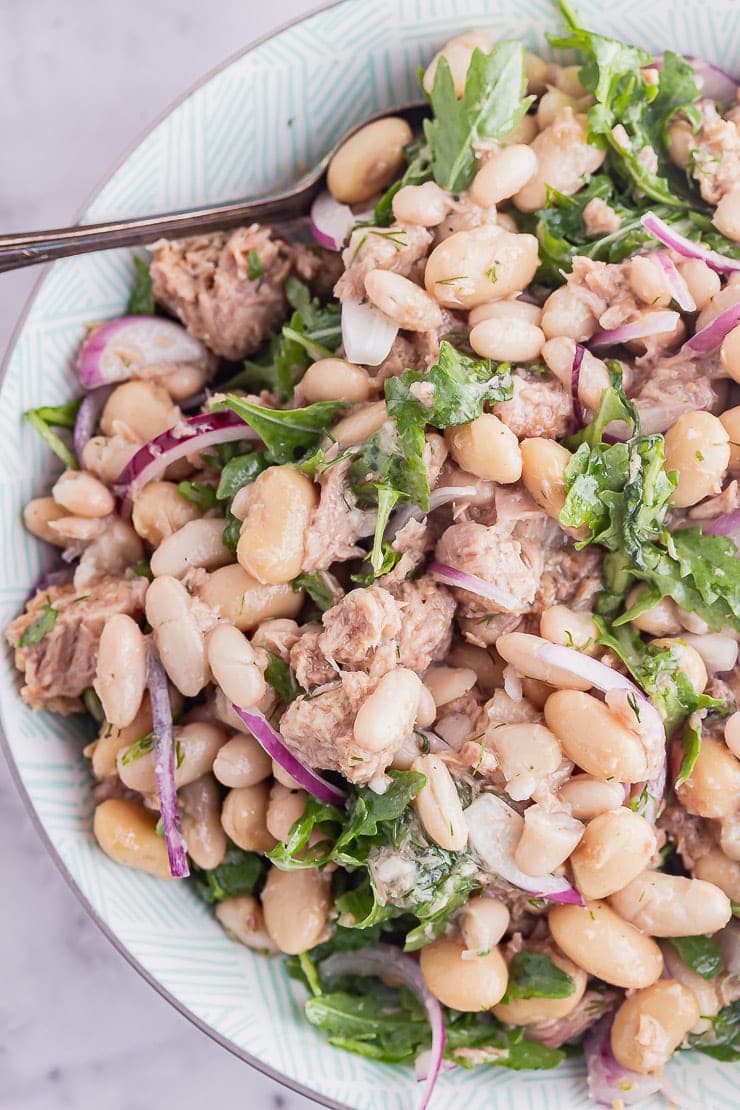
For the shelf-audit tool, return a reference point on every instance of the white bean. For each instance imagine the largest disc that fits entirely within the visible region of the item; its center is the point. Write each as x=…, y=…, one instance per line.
x=200, y=803
x=242, y=762
x=369, y=160
x=402, y=301
x=387, y=716
x=507, y=340
x=588, y=796
x=439, y=805
x=242, y=918
x=615, y=848
x=178, y=638
x=548, y=838
x=479, y=265
x=447, y=683
x=423, y=205
x=483, y=922
x=80, y=493
x=672, y=906
x=234, y=665
x=502, y=174
x=527, y=753
x=197, y=544
x=120, y=676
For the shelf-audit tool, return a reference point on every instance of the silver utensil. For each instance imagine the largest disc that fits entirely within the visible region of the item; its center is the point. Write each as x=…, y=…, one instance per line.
x=30, y=248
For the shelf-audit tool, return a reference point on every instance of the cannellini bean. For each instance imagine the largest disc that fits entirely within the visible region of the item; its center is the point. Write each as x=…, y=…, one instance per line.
x=509, y=340
x=528, y=1011
x=479, y=265
x=244, y=817
x=79, y=528
x=502, y=174
x=565, y=314
x=595, y=938
x=680, y=142
x=242, y=762
x=510, y=309
x=140, y=408
x=559, y=355
x=296, y=908
x=728, y=296
x=387, y=716
x=615, y=848
x=281, y=775
x=729, y=354
x=272, y=537
x=726, y=216
x=537, y=71
x=112, y=740
x=438, y=804
x=487, y=448
x=543, y=473
x=729, y=836
x=697, y=447
x=650, y=1025
x=564, y=158
x=458, y=53
x=335, y=379
x=483, y=922
x=360, y=424
x=159, y=510
x=447, y=683
x=470, y=985
x=200, y=804
x=196, y=746
x=126, y=832
x=369, y=160
x=660, y=620
x=588, y=796
x=178, y=638
x=242, y=918
x=120, y=676
x=402, y=301
x=82, y=494
x=183, y=382
x=527, y=753
x=713, y=787
x=244, y=602
x=520, y=650
x=649, y=281
x=199, y=543
x=422, y=205
x=705, y=991
x=703, y=282
x=474, y=658
x=688, y=658
x=732, y=734
x=730, y=420
x=106, y=456
x=37, y=516
x=570, y=627
x=284, y=809
x=234, y=665
x=672, y=906
x=717, y=868
x=568, y=79
x=548, y=838
x=595, y=738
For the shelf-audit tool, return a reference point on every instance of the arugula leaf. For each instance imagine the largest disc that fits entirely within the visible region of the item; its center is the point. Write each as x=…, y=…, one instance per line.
x=284, y=431
x=40, y=627
x=142, y=569
x=367, y=810
x=613, y=405
x=722, y=1040
x=55, y=416
x=240, y=872
x=491, y=106
x=317, y=588
x=418, y=170
x=279, y=675
x=534, y=975
x=453, y=391
x=469, y=1036
x=239, y=472
x=701, y=954
x=141, y=302
x=255, y=266
x=202, y=495
x=387, y=499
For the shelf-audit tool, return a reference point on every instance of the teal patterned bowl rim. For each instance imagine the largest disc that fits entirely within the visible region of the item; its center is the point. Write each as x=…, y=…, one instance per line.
x=377, y=47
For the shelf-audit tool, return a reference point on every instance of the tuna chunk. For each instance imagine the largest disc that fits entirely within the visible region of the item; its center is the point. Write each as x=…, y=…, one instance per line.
x=537, y=408
x=496, y=556
x=569, y=577
x=691, y=835
x=427, y=614
x=715, y=159
x=673, y=387
x=307, y=660
x=589, y=1010
x=413, y=543
x=62, y=665
x=336, y=523
x=205, y=282
x=360, y=632
x=396, y=248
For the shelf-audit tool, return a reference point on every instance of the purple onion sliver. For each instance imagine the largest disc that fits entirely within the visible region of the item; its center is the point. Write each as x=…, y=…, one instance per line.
x=331, y=222
x=723, y=525
x=452, y=576
x=164, y=765
x=687, y=247
x=679, y=289
x=610, y=1084
x=121, y=348
x=87, y=417
x=653, y=323
x=710, y=337
x=575, y=375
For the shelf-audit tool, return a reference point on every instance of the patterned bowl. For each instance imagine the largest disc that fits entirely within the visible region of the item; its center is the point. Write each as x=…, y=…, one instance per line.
x=255, y=123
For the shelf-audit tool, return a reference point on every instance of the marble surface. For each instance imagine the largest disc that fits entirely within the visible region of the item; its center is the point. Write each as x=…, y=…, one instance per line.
x=78, y=1027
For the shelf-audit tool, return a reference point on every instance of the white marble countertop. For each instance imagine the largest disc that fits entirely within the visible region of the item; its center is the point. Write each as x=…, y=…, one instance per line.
x=78, y=1027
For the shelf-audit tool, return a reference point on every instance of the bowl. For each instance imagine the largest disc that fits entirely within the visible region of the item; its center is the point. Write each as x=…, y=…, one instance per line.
x=254, y=124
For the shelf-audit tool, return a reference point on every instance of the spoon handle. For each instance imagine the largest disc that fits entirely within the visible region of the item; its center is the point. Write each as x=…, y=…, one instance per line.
x=30, y=248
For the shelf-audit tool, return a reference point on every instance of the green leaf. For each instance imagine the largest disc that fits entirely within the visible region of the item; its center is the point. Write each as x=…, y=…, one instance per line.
x=284, y=432
x=470, y=1035
x=255, y=267
x=418, y=170
x=280, y=677
x=367, y=810
x=93, y=705
x=240, y=872
x=55, y=416
x=202, y=495
x=141, y=302
x=534, y=975
x=368, y=1025
x=387, y=499
x=614, y=405
x=492, y=104
x=231, y=532
x=40, y=627
x=701, y=954
x=317, y=588
x=142, y=569
x=239, y=472
x=722, y=1040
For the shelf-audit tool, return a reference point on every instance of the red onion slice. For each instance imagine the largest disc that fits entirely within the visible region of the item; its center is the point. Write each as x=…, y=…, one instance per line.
x=652, y=323
x=192, y=435
x=474, y=585
x=687, y=247
x=438, y=497
x=164, y=766
x=87, y=417
x=648, y=796
x=272, y=742
x=726, y=525
x=679, y=289
x=386, y=960
x=122, y=348
x=609, y=1084
x=367, y=334
x=331, y=222
x=715, y=83
x=575, y=375
x=710, y=337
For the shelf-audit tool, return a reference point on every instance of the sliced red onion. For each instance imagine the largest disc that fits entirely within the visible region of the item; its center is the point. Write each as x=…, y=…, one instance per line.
x=652, y=323
x=474, y=585
x=715, y=83
x=122, y=348
x=331, y=222
x=687, y=247
x=494, y=830
x=367, y=334
x=710, y=337
x=164, y=765
x=87, y=417
x=438, y=497
x=648, y=796
x=272, y=742
x=575, y=375
x=679, y=289
x=194, y=434
x=386, y=960
x=726, y=525
x=609, y=1084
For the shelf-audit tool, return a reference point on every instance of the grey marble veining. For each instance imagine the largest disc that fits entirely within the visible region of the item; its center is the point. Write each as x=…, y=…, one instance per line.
x=78, y=1028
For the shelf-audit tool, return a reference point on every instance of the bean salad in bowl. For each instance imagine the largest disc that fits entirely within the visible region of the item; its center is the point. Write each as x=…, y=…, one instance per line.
x=399, y=571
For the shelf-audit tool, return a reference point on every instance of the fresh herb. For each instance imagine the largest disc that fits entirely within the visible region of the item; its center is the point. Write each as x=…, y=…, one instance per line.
x=255, y=266
x=93, y=705
x=722, y=1040
x=40, y=627
x=140, y=747
x=418, y=170
x=142, y=569
x=534, y=975
x=239, y=873
x=141, y=302
x=280, y=677
x=699, y=953
x=55, y=416
x=239, y=472
x=691, y=746
x=491, y=106
x=231, y=532
x=284, y=432
x=317, y=588
x=201, y=494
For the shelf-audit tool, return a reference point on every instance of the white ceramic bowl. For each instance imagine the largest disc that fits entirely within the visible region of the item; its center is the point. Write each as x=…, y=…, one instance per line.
x=256, y=123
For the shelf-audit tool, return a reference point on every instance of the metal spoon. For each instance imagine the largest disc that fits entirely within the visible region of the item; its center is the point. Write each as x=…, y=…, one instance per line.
x=30, y=248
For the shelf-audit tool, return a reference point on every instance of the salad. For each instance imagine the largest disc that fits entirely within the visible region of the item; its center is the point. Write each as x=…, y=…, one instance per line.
x=399, y=571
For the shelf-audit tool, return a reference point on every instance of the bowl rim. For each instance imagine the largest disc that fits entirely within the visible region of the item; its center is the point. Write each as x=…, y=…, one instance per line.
x=15, y=775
